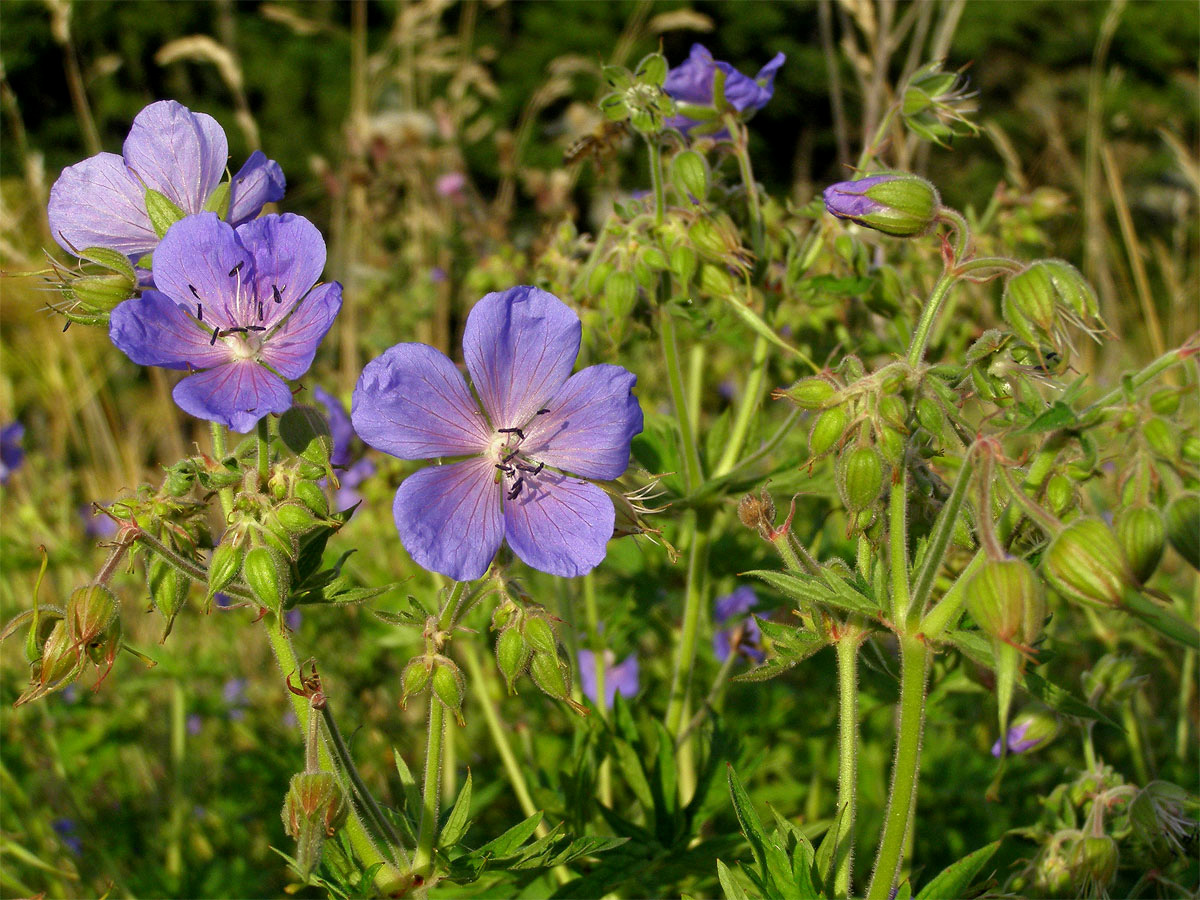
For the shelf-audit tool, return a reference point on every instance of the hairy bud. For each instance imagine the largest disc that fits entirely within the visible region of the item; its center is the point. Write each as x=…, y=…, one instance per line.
x=896, y=203
x=1084, y=562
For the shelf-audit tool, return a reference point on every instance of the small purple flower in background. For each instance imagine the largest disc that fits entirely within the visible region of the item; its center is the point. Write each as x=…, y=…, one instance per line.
x=354, y=472
x=746, y=630
x=12, y=454
x=68, y=833
x=437, y=274
x=96, y=526
x=224, y=601
x=292, y=618
x=234, y=694
x=101, y=202
x=450, y=185
x=239, y=306
x=692, y=83
x=195, y=723
x=622, y=677
x=537, y=422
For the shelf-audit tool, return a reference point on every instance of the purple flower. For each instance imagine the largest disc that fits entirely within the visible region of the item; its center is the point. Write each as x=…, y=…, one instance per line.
x=101, y=202
x=1029, y=731
x=12, y=454
x=537, y=422
x=746, y=632
x=68, y=833
x=450, y=185
x=96, y=525
x=896, y=203
x=692, y=83
x=195, y=724
x=292, y=618
x=239, y=306
x=355, y=473
x=622, y=677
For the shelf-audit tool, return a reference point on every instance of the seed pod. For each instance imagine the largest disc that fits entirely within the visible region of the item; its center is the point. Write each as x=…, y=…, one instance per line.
x=60, y=663
x=168, y=590
x=305, y=432
x=715, y=282
x=1006, y=599
x=311, y=495
x=810, y=393
x=689, y=176
x=1142, y=534
x=90, y=612
x=414, y=678
x=224, y=565
x=550, y=675
x=893, y=410
x=512, y=655
x=449, y=686
x=1183, y=527
x=295, y=517
x=708, y=240
x=1084, y=562
x=269, y=576
x=1158, y=437
x=540, y=635
x=683, y=263
x=1189, y=449
x=861, y=477
x=620, y=294
x=891, y=445
x=827, y=430
x=1165, y=402
x=1060, y=493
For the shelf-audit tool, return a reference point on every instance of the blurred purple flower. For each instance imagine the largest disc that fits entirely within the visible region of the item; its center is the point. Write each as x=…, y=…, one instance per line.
x=223, y=599
x=437, y=274
x=96, y=526
x=355, y=473
x=692, y=83
x=622, y=677
x=520, y=346
x=12, y=454
x=292, y=618
x=1029, y=731
x=234, y=694
x=101, y=201
x=237, y=305
x=68, y=833
x=746, y=631
x=195, y=722
x=450, y=185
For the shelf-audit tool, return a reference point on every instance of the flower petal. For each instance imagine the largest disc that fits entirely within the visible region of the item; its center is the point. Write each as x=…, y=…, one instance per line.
x=97, y=203
x=339, y=426
x=741, y=600
x=289, y=255
x=236, y=394
x=449, y=518
x=559, y=525
x=199, y=252
x=691, y=81
x=153, y=330
x=177, y=152
x=413, y=403
x=519, y=345
x=290, y=349
x=591, y=421
x=259, y=182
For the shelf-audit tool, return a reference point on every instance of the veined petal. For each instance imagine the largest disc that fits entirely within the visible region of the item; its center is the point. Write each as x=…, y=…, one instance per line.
x=97, y=203
x=559, y=524
x=519, y=345
x=177, y=152
x=291, y=349
x=692, y=80
x=289, y=255
x=236, y=394
x=591, y=421
x=449, y=518
x=152, y=330
x=339, y=425
x=258, y=182
x=413, y=403
x=200, y=252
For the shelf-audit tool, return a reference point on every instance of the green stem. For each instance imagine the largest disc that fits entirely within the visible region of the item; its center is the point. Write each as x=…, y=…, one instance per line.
x=939, y=540
x=670, y=347
x=741, y=152
x=685, y=660
x=1045, y=521
x=962, y=233
x=596, y=640
x=920, y=338
x=186, y=566
x=218, y=446
x=847, y=660
x=656, y=179
x=914, y=667
x=1149, y=373
x=987, y=262
x=946, y=610
x=174, y=864
x=1187, y=680
x=747, y=406
x=898, y=547
x=263, y=433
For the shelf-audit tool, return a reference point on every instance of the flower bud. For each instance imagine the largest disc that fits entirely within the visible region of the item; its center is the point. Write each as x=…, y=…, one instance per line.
x=1189, y=449
x=1183, y=527
x=1060, y=493
x=180, y=479
x=269, y=576
x=295, y=517
x=414, y=678
x=1165, y=401
x=168, y=590
x=1084, y=562
x=1158, y=437
x=313, y=797
x=1143, y=536
x=1041, y=296
x=512, y=655
x=827, y=429
x=540, y=635
x=809, y=393
x=553, y=677
x=1006, y=599
x=683, y=263
x=620, y=294
x=91, y=611
x=1094, y=862
x=896, y=203
x=449, y=686
x=1029, y=730
x=311, y=495
x=305, y=432
x=102, y=293
x=689, y=175
x=860, y=478
x=224, y=565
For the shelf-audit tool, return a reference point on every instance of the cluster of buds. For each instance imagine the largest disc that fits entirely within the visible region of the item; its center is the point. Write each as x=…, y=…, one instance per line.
x=439, y=672
x=528, y=642
x=91, y=290
x=1042, y=300
x=936, y=105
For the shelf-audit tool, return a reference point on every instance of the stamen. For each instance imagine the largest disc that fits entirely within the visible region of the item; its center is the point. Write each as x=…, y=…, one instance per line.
x=260, y=311
x=200, y=312
x=236, y=268
x=517, y=431
x=542, y=411
x=65, y=327
x=192, y=288
x=256, y=327
x=532, y=470
x=216, y=334
x=276, y=294
x=237, y=329
x=510, y=457
x=516, y=489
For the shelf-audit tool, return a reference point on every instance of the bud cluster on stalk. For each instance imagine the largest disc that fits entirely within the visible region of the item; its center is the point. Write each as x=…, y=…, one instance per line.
x=90, y=291
x=1043, y=301
x=527, y=643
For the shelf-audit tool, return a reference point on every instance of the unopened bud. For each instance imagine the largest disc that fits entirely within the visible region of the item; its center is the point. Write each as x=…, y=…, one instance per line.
x=553, y=677
x=310, y=494
x=1006, y=599
x=168, y=590
x=1084, y=562
x=810, y=393
x=897, y=203
x=1094, y=861
x=827, y=429
x=1142, y=534
x=1029, y=730
x=1041, y=295
x=689, y=175
x=224, y=566
x=860, y=477
x=540, y=635
x=620, y=294
x=295, y=517
x=269, y=576
x=91, y=610
x=449, y=686
x=1183, y=527
x=414, y=678
x=512, y=655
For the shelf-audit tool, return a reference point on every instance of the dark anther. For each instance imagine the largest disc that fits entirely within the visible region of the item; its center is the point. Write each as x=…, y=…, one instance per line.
x=236, y=269
x=256, y=327
x=199, y=312
x=65, y=327
x=192, y=288
x=542, y=411
x=216, y=334
x=238, y=329
x=260, y=312
x=532, y=470
x=275, y=292
x=510, y=457
x=507, y=470
x=516, y=488
x=517, y=431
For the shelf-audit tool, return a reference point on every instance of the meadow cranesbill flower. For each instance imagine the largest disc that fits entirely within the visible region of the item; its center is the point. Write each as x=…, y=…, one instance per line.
x=692, y=83
x=746, y=631
x=101, y=202
x=534, y=423
x=896, y=203
x=239, y=307
x=12, y=454
x=622, y=677
x=353, y=472
x=1028, y=731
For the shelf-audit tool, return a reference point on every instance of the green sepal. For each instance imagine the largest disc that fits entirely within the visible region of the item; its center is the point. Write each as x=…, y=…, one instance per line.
x=162, y=211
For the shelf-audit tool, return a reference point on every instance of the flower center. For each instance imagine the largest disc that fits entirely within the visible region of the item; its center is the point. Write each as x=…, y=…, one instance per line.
x=512, y=466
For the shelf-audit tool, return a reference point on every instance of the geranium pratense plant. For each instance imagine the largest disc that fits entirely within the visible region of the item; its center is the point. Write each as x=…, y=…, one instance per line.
x=241, y=305
x=692, y=81
x=533, y=424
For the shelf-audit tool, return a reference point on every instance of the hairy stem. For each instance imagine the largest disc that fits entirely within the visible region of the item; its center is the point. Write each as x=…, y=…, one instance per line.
x=218, y=447
x=656, y=179
x=747, y=406
x=685, y=659
x=263, y=434
x=691, y=457
x=920, y=338
x=898, y=545
x=596, y=642
x=847, y=662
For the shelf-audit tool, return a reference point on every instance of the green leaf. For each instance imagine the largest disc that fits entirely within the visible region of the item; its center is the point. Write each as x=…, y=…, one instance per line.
x=630, y=764
x=826, y=861
x=954, y=880
x=809, y=589
x=1059, y=415
x=730, y=885
x=457, y=822
x=412, y=796
x=751, y=825
x=218, y=201
x=162, y=212
x=508, y=842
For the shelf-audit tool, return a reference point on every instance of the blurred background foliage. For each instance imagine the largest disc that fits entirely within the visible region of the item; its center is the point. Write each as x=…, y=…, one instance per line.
x=165, y=783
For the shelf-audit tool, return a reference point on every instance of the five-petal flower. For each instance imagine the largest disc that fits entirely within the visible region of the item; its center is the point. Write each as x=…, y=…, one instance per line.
x=619, y=677
x=533, y=424
x=691, y=82
x=101, y=201
x=237, y=305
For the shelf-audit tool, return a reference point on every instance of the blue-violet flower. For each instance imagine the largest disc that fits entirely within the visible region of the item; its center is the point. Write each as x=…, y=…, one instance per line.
x=692, y=83
x=353, y=473
x=237, y=305
x=745, y=636
x=533, y=423
x=101, y=201
x=12, y=454
x=622, y=677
